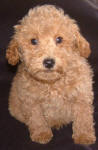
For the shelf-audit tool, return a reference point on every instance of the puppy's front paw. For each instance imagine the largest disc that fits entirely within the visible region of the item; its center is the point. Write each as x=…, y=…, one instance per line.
x=42, y=137
x=84, y=139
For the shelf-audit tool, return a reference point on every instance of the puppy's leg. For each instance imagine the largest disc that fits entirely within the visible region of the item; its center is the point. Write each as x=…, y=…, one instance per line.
x=15, y=108
x=34, y=119
x=83, y=126
x=38, y=127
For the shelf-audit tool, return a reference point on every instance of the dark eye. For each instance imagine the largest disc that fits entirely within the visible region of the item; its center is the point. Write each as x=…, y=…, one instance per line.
x=34, y=41
x=59, y=40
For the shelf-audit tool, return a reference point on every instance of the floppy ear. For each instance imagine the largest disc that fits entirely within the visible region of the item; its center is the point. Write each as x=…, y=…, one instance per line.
x=82, y=45
x=12, y=52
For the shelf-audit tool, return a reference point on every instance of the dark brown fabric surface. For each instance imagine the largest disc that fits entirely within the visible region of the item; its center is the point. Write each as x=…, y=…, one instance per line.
x=13, y=134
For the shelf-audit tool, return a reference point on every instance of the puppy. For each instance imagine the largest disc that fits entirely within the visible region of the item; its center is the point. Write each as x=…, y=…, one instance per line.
x=53, y=84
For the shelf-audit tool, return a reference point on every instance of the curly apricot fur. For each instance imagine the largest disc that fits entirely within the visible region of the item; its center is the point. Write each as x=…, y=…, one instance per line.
x=43, y=98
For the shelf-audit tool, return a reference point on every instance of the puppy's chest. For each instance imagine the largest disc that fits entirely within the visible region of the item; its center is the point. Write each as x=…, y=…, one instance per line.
x=42, y=92
x=53, y=99
x=47, y=93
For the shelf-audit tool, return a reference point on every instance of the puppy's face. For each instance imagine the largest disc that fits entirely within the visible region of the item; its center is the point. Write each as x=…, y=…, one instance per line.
x=47, y=43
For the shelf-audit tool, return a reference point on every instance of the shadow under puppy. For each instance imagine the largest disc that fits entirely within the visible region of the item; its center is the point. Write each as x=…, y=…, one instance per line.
x=53, y=84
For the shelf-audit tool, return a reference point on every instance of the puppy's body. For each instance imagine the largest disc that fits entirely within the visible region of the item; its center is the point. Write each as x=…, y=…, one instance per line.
x=44, y=97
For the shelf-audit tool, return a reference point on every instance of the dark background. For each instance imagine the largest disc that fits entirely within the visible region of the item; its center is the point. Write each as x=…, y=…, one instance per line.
x=13, y=134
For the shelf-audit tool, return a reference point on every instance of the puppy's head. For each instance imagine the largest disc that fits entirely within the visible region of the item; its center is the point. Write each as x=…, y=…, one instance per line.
x=45, y=41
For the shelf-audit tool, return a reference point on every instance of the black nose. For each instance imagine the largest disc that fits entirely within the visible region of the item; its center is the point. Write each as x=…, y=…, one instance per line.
x=49, y=63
